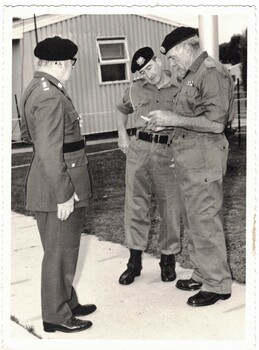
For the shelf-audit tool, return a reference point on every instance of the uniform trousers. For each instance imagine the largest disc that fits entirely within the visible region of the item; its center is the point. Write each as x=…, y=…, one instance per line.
x=200, y=164
x=148, y=171
x=60, y=241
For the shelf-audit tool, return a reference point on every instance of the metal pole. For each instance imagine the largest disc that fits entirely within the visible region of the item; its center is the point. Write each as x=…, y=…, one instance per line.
x=35, y=29
x=238, y=112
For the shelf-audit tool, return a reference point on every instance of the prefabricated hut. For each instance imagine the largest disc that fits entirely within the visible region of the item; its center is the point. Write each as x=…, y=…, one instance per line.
x=106, y=44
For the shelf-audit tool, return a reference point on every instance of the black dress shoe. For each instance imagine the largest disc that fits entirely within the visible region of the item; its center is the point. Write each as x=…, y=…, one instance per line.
x=128, y=276
x=188, y=285
x=70, y=326
x=206, y=298
x=83, y=310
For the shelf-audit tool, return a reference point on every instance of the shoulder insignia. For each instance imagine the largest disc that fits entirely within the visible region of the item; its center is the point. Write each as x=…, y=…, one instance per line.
x=209, y=62
x=45, y=84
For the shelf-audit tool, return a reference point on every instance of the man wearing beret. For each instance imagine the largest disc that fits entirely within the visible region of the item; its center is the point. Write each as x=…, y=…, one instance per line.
x=202, y=109
x=58, y=185
x=148, y=169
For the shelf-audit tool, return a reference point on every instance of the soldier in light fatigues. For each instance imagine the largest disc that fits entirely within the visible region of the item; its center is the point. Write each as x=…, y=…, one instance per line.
x=58, y=185
x=203, y=107
x=148, y=169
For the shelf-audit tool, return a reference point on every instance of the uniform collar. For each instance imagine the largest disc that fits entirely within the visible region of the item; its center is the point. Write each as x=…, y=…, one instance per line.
x=196, y=64
x=173, y=81
x=50, y=78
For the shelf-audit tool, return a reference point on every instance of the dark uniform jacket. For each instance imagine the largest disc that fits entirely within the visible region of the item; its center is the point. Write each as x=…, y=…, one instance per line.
x=50, y=120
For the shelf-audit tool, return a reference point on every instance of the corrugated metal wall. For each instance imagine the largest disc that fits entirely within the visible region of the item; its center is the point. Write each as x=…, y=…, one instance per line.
x=97, y=103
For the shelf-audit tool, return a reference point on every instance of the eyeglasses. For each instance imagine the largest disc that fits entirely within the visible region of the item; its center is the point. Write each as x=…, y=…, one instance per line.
x=73, y=61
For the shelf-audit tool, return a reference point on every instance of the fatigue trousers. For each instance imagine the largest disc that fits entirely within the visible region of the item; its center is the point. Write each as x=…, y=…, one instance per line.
x=60, y=241
x=200, y=163
x=148, y=171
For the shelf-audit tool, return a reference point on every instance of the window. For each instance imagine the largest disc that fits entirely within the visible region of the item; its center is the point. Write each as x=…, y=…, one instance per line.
x=113, y=60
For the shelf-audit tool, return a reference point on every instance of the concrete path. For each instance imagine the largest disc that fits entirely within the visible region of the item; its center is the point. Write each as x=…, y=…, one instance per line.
x=148, y=310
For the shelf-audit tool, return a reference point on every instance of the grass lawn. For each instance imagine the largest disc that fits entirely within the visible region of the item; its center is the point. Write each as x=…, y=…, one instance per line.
x=105, y=215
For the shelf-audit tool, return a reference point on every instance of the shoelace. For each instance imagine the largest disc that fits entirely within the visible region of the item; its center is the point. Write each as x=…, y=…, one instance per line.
x=76, y=322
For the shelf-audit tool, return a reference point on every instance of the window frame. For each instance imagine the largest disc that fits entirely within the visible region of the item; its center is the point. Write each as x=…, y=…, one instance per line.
x=101, y=62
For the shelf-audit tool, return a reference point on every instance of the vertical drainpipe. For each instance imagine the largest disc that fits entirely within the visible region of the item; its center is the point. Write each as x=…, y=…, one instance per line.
x=208, y=33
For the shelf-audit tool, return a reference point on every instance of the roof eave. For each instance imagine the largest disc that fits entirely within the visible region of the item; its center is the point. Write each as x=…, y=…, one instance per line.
x=20, y=28
x=163, y=20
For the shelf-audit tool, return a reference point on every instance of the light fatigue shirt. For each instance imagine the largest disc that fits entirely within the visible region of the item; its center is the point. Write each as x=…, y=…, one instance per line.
x=142, y=98
x=207, y=90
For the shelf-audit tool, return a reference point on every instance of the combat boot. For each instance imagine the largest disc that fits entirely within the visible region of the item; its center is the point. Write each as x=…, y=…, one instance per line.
x=134, y=267
x=167, y=264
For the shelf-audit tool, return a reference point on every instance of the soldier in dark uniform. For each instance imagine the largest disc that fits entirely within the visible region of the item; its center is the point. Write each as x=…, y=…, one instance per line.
x=58, y=185
x=148, y=169
x=202, y=109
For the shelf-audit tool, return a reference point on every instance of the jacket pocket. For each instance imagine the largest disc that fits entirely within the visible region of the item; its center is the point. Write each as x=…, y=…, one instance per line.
x=73, y=116
x=77, y=169
x=169, y=104
x=188, y=91
x=72, y=124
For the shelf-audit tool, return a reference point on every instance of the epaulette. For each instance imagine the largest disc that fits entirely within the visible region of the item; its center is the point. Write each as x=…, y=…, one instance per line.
x=209, y=62
x=45, y=84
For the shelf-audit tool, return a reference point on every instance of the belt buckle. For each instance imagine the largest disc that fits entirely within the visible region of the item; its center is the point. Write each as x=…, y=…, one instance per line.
x=151, y=137
x=156, y=138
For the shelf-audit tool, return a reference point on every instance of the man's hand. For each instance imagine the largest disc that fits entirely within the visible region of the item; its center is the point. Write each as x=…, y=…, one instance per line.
x=123, y=141
x=160, y=118
x=65, y=209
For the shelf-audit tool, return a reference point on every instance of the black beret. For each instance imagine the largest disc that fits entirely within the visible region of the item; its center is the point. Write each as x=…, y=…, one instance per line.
x=55, y=49
x=140, y=58
x=176, y=37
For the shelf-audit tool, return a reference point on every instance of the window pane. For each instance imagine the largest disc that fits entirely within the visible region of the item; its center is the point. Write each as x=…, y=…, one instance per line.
x=113, y=72
x=112, y=51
